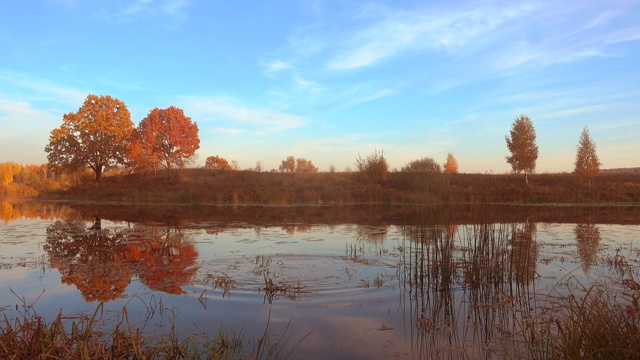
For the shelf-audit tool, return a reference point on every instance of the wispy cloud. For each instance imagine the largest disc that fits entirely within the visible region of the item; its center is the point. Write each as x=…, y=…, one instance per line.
x=44, y=90
x=14, y=114
x=277, y=66
x=172, y=9
x=232, y=115
x=363, y=97
x=401, y=31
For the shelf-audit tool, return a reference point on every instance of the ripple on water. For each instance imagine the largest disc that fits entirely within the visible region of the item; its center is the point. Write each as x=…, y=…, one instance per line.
x=299, y=276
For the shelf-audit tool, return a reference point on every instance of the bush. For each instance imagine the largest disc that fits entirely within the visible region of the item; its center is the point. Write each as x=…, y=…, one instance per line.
x=374, y=165
x=424, y=165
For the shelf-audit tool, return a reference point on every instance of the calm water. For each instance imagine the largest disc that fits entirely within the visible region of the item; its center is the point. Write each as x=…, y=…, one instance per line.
x=362, y=282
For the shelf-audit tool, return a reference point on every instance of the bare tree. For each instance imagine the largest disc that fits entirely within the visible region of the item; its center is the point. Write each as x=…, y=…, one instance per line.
x=587, y=164
x=522, y=145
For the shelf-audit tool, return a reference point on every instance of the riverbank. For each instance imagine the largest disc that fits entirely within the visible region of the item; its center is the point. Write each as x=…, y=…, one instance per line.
x=202, y=186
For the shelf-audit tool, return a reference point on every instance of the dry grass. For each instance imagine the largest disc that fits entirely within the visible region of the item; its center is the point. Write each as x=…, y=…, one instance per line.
x=595, y=322
x=204, y=186
x=29, y=336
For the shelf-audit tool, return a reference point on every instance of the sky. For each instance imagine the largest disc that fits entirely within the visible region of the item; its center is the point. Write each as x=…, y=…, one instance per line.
x=331, y=80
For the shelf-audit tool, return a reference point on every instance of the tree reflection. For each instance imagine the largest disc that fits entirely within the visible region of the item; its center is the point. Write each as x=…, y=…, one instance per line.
x=101, y=262
x=524, y=253
x=164, y=260
x=90, y=259
x=7, y=212
x=587, y=239
x=372, y=234
x=292, y=229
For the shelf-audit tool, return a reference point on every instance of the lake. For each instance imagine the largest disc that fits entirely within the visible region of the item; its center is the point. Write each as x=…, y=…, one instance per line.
x=346, y=282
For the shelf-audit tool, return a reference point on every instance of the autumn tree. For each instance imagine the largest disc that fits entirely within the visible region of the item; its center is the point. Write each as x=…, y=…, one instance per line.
x=451, y=165
x=288, y=165
x=96, y=136
x=216, y=162
x=424, y=165
x=305, y=166
x=587, y=162
x=167, y=137
x=522, y=145
x=7, y=172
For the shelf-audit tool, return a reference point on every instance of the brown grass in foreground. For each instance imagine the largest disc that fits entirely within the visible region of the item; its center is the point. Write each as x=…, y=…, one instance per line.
x=203, y=186
x=32, y=337
x=597, y=323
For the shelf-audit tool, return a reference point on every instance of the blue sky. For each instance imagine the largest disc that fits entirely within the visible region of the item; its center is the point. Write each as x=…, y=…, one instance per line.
x=328, y=80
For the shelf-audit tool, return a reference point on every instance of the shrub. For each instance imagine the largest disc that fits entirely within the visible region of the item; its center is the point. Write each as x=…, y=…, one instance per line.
x=374, y=165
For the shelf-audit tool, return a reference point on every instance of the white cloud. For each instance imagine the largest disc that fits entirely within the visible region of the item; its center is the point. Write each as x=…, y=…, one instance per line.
x=44, y=90
x=403, y=31
x=277, y=65
x=174, y=9
x=226, y=110
x=360, y=98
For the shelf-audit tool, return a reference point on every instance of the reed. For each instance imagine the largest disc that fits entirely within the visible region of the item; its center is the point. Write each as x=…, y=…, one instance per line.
x=598, y=323
x=30, y=336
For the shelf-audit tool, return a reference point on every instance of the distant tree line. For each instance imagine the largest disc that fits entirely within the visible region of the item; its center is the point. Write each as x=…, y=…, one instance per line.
x=101, y=137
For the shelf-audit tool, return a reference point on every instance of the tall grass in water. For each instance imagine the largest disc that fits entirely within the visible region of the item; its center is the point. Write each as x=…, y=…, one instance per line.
x=598, y=323
x=29, y=336
x=474, y=293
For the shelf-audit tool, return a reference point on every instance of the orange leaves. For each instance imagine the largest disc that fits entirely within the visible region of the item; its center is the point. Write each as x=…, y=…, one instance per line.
x=216, y=162
x=100, y=135
x=96, y=136
x=167, y=137
x=451, y=166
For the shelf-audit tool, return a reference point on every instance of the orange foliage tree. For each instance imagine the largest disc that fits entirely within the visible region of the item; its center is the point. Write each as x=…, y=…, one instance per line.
x=166, y=137
x=451, y=165
x=305, y=166
x=7, y=171
x=288, y=165
x=216, y=162
x=96, y=136
x=300, y=165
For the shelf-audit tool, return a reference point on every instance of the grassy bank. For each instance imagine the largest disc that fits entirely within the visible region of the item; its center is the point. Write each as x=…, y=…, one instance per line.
x=203, y=186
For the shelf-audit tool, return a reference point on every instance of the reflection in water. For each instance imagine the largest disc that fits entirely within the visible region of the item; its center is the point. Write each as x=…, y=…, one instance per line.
x=587, y=239
x=93, y=260
x=101, y=262
x=372, y=234
x=164, y=260
x=451, y=286
x=458, y=281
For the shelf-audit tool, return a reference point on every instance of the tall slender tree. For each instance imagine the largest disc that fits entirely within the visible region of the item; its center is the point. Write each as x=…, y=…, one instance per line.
x=587, y=164
x=451, y=165
x=96, y=136
x=522, y=145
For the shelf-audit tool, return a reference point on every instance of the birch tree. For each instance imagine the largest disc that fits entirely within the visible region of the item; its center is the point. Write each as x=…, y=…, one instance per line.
x=522, y=145
x=587, y=164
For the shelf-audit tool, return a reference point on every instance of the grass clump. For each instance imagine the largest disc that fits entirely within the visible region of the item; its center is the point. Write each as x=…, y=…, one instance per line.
x=601, y=324
x=30, y=336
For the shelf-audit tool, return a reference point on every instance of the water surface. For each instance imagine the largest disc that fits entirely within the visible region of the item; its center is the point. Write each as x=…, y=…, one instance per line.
x=361, y=282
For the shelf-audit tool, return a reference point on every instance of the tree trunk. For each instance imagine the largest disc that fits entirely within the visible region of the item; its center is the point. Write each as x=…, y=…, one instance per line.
x=98, y=171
